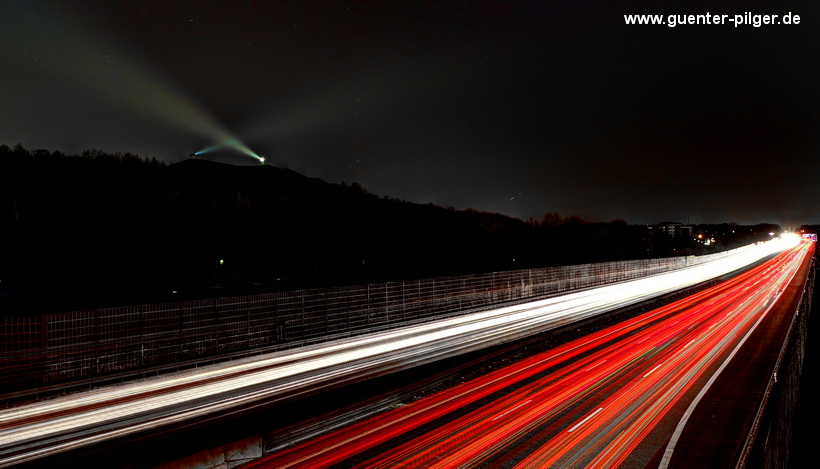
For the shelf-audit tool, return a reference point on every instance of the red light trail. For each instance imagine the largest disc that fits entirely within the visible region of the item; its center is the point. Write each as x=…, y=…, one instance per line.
x=591, y=402
x=526, y=411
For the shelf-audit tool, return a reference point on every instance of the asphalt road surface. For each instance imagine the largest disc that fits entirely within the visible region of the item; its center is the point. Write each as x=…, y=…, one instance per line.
x=613, y=398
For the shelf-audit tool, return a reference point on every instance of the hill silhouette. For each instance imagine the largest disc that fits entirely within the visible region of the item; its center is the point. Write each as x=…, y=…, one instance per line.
x=101, y=229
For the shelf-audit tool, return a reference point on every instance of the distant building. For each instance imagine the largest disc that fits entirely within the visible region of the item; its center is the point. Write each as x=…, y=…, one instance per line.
x=672, y=229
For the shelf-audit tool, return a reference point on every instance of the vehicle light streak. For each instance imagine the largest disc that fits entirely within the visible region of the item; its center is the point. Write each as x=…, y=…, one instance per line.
x=575, y=427
x=587, y=403
x=38, y=429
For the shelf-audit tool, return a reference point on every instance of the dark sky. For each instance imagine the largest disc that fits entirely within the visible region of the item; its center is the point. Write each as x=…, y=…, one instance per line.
x=508, y=106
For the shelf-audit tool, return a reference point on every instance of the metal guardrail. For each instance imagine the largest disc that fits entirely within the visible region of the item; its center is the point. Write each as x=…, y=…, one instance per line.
x=758, y=443
x=48, y=350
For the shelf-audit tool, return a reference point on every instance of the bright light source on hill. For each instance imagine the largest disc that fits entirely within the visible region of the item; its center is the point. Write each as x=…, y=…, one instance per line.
x=232, y=143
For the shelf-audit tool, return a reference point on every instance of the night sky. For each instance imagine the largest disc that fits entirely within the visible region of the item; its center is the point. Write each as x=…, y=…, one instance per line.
x=515, y=107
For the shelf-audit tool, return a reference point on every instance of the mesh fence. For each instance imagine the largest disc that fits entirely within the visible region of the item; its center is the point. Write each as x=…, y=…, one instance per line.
x=49, y=349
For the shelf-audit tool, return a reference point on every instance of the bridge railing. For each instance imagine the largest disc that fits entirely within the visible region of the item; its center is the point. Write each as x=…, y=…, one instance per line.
x=39, y=352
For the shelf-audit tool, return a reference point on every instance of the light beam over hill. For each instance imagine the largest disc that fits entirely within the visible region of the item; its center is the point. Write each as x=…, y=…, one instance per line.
x=73, y=49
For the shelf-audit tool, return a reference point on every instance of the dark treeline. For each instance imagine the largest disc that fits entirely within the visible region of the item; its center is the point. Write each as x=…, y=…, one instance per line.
x=97, y=229
x=814, y=229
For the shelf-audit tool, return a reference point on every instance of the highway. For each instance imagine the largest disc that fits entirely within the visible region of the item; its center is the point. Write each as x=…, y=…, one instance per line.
x=609, y=399
x=39, y=429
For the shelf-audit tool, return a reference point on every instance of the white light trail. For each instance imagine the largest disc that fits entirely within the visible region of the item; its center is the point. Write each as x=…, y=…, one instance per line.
x=169, y=399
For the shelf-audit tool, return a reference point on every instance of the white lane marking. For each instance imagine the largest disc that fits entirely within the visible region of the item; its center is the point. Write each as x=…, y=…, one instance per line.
x=593, y=366
x=670, y=447
x=507, y=412
x=653, y=369
x=584, y=421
